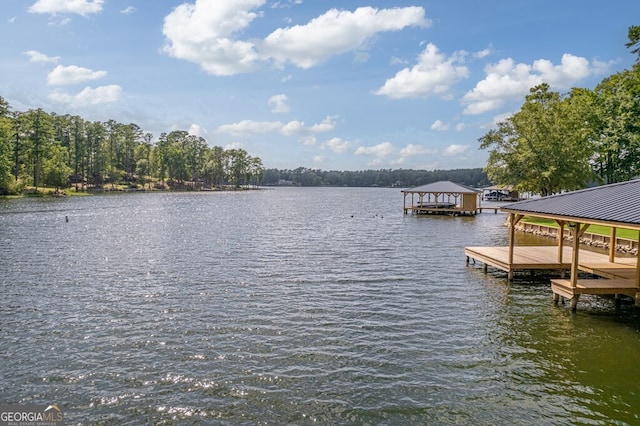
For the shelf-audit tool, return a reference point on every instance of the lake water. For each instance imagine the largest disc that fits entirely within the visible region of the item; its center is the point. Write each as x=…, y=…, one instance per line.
x=295, y=306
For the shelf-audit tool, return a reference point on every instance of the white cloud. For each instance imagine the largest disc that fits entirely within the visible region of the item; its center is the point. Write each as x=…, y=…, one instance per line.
x=602, y=68
x=336, y=32
x=292, y=128
x=502, y=117
x=89, y=96
x=35, y=56
x=507, y=80
x=249, y=126
x=434, y=74
x=380, y=151
x=327, y=125
x=398, y=61
x=483, y=53
x=298, y=127
x=285, y=4
x=80, y=7
x=206, y=32
x=197, y=130
x=455, y=149
x=72, y=74
x=128, y=10
x=201, y=32
x=439, y=125
x=309, y=141
x=60, y=23
x=278, y=103
x=234, y=145
x=337, y=145
x=412, y=150
x=460, y=127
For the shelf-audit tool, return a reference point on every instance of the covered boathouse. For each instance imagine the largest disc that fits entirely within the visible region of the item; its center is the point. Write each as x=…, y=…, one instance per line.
x=442, y=197
x=616, y=206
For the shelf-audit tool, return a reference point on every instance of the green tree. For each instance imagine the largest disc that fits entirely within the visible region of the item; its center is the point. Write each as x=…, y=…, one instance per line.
x=216, y=166
x=541, y=148
x=143, y=160
x=160, y=154
x=617, y=147
x=96, y=154
x=255, y=171
x=175, y=158
x=55, y=169
x=131, y=136
x=79, y=147
x=634, y=41
x=5, y=148
x=40, y=133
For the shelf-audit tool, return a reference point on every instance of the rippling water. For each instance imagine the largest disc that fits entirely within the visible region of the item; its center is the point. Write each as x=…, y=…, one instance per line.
x=293, y=306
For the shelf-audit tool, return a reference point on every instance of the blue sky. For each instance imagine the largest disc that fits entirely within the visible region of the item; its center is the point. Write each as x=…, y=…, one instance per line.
x=334, y=85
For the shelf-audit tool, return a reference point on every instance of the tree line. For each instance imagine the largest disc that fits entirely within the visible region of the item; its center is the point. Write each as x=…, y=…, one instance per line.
x=383, y=178
x=45, y=149
x=560, y=142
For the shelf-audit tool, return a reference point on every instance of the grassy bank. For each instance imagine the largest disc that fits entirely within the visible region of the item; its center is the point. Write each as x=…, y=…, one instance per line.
x=628, y=234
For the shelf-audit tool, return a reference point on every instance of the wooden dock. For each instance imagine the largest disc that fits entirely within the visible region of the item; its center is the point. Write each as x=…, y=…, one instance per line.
x=526, y=258
x=615, y=205
x=491, y=209
x=456, y=210
x=611, y=278
x=562, y=288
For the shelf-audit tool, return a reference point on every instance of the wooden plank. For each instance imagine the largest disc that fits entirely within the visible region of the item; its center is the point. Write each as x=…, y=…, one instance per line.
x=524, y=258
x=594, y=286
x=545, y=257
x=609, y=270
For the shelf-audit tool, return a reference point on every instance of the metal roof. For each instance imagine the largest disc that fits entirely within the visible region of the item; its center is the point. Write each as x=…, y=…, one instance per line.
x=498, y=187
x=444, y=186
x=617, y=203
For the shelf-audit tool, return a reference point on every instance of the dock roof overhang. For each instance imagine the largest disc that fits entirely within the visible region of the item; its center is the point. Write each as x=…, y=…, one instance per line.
x=616, y=205
x=442, y=187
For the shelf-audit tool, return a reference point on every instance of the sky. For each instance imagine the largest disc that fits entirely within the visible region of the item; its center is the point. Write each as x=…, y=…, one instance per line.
x=322, y=84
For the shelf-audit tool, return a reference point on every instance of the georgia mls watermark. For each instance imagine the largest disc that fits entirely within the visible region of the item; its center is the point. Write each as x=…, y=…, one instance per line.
x=30, y=415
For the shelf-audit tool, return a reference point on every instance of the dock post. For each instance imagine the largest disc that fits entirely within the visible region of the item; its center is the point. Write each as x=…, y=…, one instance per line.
x=574, y=302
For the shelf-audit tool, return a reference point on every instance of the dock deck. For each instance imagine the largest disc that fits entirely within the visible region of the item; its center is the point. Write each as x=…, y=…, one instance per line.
x=546, y=258
x=617, y=278
x=525, y=258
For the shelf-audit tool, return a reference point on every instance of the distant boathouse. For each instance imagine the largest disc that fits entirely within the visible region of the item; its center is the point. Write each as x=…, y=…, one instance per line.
x=442, y=197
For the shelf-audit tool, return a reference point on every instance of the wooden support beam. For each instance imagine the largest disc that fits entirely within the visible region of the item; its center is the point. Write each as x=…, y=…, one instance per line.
x=513, y=220
x=574, y=302
x=511, y=236
x=583, y=229
x=561, y=224
x=638, y=271
x=612, y=244
x=575, y=232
